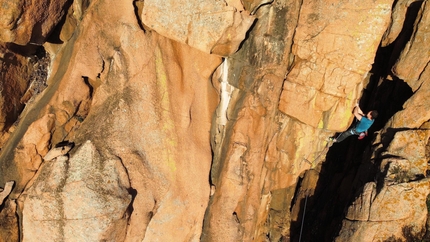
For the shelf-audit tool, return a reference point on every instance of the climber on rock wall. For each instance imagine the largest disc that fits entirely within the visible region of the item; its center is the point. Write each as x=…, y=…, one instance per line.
x=364, y=123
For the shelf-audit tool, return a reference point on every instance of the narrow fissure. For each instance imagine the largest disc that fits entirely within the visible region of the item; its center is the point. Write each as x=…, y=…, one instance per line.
x=138, y=6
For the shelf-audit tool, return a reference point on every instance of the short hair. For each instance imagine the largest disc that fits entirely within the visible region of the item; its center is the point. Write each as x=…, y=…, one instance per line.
x=374, y=114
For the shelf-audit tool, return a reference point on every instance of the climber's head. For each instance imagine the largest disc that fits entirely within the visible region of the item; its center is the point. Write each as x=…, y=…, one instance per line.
x=372, y=114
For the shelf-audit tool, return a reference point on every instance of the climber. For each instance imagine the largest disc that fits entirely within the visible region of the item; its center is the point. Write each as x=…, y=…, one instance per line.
x=364, y=123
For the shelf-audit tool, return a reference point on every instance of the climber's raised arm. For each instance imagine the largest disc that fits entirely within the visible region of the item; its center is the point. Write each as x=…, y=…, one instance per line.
x=358, y=113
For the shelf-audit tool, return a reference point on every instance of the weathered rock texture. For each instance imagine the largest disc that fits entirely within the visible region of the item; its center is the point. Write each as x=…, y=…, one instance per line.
x=208, y=120
x=53, y=206
x=15, y=74
x=24, y=22
x=327, y=73
x=216, y=27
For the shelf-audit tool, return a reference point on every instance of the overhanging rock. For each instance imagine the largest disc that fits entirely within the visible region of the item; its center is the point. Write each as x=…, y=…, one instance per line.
x=210, y=26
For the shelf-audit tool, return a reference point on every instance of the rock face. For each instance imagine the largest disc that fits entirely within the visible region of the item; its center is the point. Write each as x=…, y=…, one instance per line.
x=24, y=22
x=53, y=206
x=208, y=120
x=378, y=215
x=328, y=74
x=216, y=27
x=15, y=75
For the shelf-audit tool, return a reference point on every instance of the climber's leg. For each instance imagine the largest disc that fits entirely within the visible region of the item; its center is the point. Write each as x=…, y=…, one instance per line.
x=345, y=135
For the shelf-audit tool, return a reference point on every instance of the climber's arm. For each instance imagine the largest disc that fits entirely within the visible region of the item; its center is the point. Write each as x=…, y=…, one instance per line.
x=358, y=113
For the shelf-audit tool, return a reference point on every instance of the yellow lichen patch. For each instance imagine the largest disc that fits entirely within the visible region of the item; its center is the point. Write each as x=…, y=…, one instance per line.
x=348, y=101
x=321, y=124
x=164, y=112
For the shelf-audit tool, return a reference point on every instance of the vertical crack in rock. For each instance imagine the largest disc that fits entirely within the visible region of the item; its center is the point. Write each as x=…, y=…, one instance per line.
x=90, y=86
x=292, y=56
x=131, y=191
x=254, y=9
x=138, y=8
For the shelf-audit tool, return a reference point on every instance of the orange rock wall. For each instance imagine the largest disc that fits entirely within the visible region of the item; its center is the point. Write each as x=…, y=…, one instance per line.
x=208, y=121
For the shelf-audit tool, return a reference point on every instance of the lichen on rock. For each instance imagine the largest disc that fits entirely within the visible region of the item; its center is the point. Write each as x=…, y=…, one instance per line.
x=209, y=120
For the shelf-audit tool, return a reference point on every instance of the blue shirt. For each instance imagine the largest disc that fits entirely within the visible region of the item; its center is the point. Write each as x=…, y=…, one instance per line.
x=363, y=125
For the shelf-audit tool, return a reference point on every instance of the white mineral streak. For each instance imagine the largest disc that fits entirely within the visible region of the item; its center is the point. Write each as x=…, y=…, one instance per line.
x=226, y=92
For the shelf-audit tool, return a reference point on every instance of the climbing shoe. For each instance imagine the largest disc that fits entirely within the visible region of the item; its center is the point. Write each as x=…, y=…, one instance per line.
x=362, y=135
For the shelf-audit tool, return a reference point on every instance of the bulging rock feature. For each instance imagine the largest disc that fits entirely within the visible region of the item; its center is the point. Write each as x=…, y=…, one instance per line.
x=387, y=213
x=410, y=145
x=29, y=22
x=30, y=150
x=82, y=198
x=210, y=26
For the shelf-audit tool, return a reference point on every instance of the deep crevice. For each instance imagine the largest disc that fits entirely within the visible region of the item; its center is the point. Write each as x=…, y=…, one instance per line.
x=138, y=6
x=130, y=208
